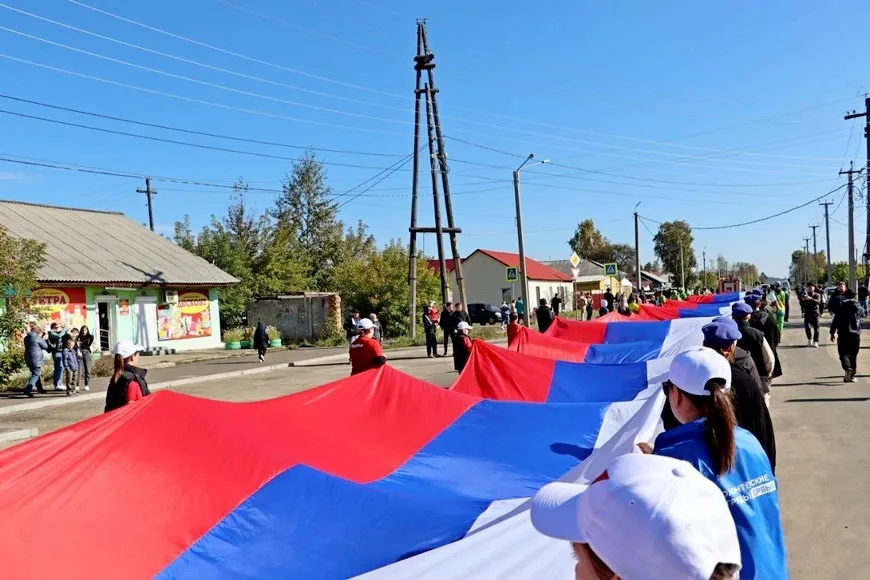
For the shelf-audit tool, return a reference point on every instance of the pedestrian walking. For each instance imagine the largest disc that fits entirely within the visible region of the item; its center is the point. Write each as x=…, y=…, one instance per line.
x=747, y=396
x=86, y=344
x=781, y=299
x=609, y=297
x=378, y=329
x=35, y=348
x=448, y=324
x=761, y=319
x=731, y=457
x=589, y=306
x=581, y=306
x=461, y=314
x=602, y=311
x=351, y=324
x=55, y=348
x=847, y=324
x=261, y=340
x=128, y=383
x=544, y=316
x=365, y=351
x=811, y=304
x=645, y=517
x=836, y=297
x=521, y=308
x=862, y=298
x=462, y=344
x=556, y=304
x=513, y=329
x=429, y=329
x=753, y=341
x=70, y=366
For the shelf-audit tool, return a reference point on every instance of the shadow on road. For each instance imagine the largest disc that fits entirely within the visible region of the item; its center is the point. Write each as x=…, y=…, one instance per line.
x=830, y=400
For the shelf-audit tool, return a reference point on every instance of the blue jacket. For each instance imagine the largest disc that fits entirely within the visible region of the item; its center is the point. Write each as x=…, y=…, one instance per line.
x=751, y=490
x=70, y=359
x=33, y=350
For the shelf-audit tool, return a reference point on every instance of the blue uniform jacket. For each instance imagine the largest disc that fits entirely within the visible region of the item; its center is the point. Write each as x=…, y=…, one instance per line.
x=750, y=489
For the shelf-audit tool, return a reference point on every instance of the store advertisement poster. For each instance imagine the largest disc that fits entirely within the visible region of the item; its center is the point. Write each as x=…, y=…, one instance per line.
x=66, y=306
x=189, y=318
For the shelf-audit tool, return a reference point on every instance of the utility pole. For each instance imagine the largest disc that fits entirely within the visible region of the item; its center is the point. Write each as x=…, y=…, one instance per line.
x=682, y=270
x=637, y=252
x=814, y=264
x=424, y=61
x=866, y=254
x=827, y=203
x=524, y=279
x=851, y=195
x=704, y=262
x=806, y=260
x=148, y=194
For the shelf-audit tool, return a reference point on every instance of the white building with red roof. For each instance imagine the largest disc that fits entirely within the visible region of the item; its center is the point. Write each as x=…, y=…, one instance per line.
x=486, y=278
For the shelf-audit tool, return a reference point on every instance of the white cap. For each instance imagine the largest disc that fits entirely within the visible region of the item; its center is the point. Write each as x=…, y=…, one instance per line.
x=691, y=369
x=463, y=325
x=126, y=349
x=365, y=324
x=652, y=517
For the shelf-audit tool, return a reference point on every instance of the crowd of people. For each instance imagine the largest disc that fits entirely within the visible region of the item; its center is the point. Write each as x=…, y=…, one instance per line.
x=70, y=351
x=702, y=500
x=847, y=308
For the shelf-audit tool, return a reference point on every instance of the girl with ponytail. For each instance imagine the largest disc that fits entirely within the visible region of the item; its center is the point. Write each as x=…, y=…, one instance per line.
x=729, y=456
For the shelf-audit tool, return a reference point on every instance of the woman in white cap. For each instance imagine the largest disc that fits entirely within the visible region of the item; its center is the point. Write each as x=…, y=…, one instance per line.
x=128, y=381
x=729, y=456
x=645, y=518
x=461, y=345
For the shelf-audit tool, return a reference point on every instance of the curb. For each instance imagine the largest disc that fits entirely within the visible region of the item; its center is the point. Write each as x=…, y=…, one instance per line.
x=101, y=395
x=11, y=435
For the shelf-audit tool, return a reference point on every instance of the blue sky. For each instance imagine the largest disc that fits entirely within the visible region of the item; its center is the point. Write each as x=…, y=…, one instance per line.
x=716, y=113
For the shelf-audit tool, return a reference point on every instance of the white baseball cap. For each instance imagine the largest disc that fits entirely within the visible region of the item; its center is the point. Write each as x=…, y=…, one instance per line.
x=126, y=348
x=691, y=369
x=650, y=517
x=463, y=325
x=365, y=324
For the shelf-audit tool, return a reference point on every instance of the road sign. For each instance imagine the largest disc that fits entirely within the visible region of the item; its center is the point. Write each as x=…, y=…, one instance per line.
x=611, y=269
x=575, y=272
x=511, y=274
x=575, y=259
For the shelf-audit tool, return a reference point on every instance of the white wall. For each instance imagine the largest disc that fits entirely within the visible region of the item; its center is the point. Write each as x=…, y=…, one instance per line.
x=485, y=279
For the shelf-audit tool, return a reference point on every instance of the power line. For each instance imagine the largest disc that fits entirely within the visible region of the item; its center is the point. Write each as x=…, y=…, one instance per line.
x=770, y=217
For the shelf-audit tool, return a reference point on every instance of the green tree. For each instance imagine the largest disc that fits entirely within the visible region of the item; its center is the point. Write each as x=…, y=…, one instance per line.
x=653, y=267
x=840, y=272
x=748, y=273
x=20, y=260
x=589, y=243
x=305, y=209
x=673, y=245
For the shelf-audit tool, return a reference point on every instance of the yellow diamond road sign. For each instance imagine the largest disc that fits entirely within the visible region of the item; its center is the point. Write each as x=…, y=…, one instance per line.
x=575, y=259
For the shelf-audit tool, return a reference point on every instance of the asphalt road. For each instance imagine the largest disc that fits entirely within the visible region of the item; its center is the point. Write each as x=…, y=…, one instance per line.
x=821, y=424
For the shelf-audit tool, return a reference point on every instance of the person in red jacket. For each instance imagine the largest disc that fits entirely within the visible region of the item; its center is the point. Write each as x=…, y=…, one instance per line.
x=365, y=351
x=513, y=328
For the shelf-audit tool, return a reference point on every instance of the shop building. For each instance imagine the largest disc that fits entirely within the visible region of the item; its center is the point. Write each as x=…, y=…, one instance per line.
x=120, y=279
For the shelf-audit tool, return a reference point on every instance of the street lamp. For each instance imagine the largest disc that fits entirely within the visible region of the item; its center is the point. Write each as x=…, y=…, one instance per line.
x=524, y=280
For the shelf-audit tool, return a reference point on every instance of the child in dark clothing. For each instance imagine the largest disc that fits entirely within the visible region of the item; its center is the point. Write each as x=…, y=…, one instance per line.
x=70, y=359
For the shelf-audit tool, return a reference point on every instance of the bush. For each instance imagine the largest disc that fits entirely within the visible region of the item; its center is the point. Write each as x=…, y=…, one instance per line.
x=248, y=333
x=103, y=366
x=273, y=332
x=328, y=334
x=233, y=335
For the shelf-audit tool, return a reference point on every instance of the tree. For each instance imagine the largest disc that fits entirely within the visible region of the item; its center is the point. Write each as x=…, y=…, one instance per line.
x=808, y=268
x=673, y=245
x=748, y=273
x=20, y=260
x=589, y=243
x=305, y=209
x=625, y=256
x=655, y=267
x=840, y=272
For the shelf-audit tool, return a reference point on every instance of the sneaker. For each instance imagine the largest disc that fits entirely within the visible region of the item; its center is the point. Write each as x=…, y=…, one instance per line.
x=59, y=388
x=70, y=393
x=815, y=345
x=767, y=400
x=810, y=343
x=30, y=394
x=847, y=377
x=77, y=389
x=86, y=388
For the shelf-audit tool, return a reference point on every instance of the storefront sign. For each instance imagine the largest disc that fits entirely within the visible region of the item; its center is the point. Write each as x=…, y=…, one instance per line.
x=66, y=306
x=189, y=318
x=124, y=307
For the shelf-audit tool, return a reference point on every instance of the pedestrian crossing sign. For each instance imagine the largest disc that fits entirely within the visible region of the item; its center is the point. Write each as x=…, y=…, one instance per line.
x=511, y=274
x=611, y=269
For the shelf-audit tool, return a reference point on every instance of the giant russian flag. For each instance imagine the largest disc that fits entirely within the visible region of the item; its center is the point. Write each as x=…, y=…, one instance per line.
x=327, y=483
x=540, y=345
x=679, y=333
x=496, y=373
x=727, y=298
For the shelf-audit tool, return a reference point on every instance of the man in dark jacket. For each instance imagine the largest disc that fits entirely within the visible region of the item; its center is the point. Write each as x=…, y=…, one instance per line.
x=611, y=299
x=811, y=304
x=847, y=323
x=556, y=304
x=430, y=329
x=752, y=341
x=836, y=298
x=448, y=324
x=750, y=410
x=461, y=314
x=34, y=355
x=761, y=320
x=544, y=316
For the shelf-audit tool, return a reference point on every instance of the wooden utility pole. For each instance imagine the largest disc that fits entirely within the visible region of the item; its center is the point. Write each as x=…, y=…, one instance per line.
x=866, y=253
x=814, y=265
x=807, y=260
x=851, y=195
x=827, y=203
x=424, y=61
x=148, y=194
x=640, y=293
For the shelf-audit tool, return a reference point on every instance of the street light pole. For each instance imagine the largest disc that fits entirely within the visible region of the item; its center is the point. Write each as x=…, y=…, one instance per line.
x=524, y=280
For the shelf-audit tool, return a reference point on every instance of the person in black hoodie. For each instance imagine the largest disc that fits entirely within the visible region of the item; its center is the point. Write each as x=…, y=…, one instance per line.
x=430, y=329
x=127, y=384
x=261, y=340
x=448, y=322
x=847, y=322
x=544, y=316
x=750, y=409
x=761, y=320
